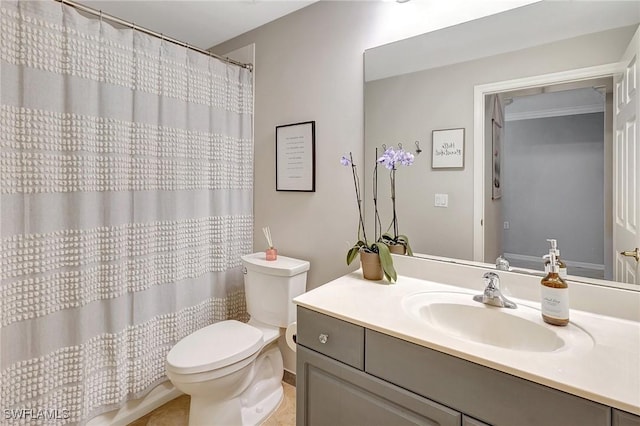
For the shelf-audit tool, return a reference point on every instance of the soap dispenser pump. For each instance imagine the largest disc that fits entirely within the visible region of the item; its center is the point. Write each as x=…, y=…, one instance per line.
x=562, y=267
x=554, y=295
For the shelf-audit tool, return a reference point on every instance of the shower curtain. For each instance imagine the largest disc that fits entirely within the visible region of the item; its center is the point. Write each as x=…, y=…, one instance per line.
x=125, y=201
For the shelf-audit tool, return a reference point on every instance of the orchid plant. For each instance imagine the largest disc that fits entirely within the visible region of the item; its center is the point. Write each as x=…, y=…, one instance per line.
x=391, y=159
x=363, y=244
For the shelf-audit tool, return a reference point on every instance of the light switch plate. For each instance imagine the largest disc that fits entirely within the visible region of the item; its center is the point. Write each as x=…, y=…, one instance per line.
x=441, y=200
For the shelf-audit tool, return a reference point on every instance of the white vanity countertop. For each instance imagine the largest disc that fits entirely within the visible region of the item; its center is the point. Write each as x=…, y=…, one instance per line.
x=608, y=373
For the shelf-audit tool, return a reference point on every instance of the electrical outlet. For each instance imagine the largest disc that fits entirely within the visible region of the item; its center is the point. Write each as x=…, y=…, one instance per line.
x=506, y=224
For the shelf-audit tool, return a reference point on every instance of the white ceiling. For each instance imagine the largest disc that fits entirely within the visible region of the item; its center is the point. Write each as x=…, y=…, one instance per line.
x=203, y=23
x=519, y=28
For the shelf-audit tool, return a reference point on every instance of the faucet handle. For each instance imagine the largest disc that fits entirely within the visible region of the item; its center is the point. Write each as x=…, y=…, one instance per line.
x=491, y=276
x=502, y=264
x=492, y=280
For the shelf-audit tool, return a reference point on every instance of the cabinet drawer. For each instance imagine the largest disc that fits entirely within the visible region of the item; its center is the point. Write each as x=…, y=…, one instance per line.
x=622, y=418
x=332, y=337
x=488, y=395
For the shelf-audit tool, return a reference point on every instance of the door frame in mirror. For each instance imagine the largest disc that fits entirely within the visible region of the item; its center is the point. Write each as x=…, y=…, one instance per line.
x=480, y=91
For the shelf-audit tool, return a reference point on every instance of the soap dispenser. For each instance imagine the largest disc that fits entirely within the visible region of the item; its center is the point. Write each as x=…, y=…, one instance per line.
x=562, y=267
x=554, y=294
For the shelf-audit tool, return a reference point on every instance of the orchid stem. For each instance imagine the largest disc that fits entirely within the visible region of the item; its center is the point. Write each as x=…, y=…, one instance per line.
x=356, y=182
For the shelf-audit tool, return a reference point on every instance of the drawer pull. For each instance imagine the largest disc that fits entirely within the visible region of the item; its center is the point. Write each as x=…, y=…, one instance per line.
x=323, y=338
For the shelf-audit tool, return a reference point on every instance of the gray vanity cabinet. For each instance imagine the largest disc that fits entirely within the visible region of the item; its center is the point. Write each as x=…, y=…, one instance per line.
x=349, y=375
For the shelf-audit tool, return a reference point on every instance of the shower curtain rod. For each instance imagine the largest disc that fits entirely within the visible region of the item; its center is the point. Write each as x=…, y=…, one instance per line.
x=119, y=21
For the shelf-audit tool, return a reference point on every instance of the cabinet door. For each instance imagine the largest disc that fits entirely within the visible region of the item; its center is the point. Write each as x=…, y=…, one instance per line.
x=329, y=393
x=622, y=418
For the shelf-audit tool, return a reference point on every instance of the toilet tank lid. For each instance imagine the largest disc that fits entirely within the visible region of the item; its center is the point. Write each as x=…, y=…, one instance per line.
x=214, y=346
x=283, y=266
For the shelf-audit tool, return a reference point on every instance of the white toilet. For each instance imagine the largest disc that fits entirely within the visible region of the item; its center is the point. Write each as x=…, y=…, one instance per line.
x=233, y=370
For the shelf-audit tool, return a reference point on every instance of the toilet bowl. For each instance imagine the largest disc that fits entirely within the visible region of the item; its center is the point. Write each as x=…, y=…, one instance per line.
x=232, y=370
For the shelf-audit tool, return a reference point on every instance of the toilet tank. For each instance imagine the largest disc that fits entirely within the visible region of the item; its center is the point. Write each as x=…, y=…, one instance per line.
x=270, y=287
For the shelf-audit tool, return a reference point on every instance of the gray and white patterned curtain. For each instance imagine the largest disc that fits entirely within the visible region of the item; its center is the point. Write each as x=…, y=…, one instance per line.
x=126, y=202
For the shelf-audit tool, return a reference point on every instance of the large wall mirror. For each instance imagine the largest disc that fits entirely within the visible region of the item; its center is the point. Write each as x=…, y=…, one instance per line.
x=548, y=150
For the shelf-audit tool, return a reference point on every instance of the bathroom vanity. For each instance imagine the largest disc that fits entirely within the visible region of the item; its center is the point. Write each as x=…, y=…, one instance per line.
x=363, y=359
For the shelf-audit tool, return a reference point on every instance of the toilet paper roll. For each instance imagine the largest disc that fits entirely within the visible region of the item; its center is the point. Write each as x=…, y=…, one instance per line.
x=290, y=335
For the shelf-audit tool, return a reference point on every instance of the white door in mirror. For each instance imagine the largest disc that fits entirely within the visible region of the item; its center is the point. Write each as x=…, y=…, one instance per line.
x=626, y=153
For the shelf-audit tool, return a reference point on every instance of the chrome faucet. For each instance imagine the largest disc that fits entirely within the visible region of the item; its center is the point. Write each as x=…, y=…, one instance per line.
x=492, y=294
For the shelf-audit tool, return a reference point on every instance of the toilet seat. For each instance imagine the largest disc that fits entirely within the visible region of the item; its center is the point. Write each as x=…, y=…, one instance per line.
x=216, y=347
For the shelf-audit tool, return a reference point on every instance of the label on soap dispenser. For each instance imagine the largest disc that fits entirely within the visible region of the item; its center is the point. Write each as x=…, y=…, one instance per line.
x=562, y=272
x=555, y=302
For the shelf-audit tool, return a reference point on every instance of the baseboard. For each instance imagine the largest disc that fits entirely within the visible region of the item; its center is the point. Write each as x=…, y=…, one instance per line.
x=289, y=378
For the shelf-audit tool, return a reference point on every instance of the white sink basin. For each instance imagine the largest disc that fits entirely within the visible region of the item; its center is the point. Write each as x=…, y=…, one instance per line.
x=522, y=329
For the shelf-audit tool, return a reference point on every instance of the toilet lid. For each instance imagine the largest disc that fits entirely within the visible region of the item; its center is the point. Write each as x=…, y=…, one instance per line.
x=215, y=346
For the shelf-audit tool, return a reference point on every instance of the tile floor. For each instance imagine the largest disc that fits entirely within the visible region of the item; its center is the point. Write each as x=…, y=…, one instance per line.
x=176, y=412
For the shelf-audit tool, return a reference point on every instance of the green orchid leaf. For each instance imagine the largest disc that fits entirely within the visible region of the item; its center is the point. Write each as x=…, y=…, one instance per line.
x=387, y=263
x=352, y=253
x=404, y=240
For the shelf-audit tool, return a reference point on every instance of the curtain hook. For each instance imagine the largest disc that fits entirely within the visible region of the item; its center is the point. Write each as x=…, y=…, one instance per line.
x=418, y=150
x=384, y=147
x=399, y=146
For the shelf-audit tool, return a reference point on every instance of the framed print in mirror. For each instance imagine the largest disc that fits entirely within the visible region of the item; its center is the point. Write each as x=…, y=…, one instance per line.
x=496, y=164
x=296, y=157
x=448, y=149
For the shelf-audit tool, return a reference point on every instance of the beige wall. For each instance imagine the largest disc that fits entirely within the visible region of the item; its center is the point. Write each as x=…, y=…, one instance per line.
x=308, y=66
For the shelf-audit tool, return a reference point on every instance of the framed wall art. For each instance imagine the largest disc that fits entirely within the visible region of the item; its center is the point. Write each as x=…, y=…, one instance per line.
x=448, y=149
x=296, y=157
